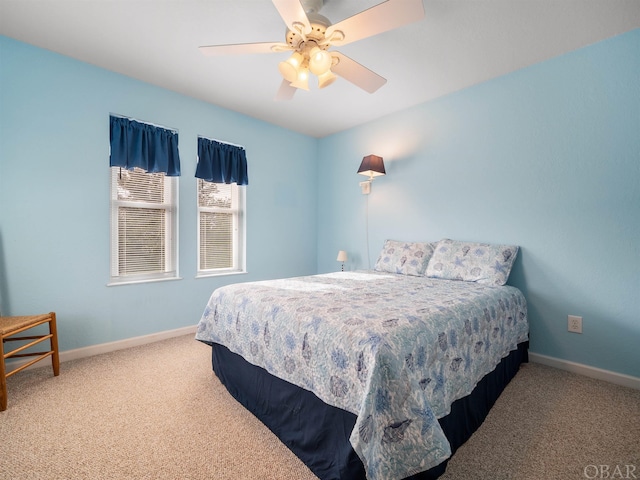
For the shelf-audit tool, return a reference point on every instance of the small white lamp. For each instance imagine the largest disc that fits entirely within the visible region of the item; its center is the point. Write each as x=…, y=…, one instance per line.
x=342, y=257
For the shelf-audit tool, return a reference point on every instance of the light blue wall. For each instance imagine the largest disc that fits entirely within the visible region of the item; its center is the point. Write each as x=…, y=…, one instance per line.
x=547, y=158
x=54, y=197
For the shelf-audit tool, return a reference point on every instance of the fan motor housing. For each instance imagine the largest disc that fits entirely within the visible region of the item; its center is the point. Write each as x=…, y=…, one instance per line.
x=319, y=25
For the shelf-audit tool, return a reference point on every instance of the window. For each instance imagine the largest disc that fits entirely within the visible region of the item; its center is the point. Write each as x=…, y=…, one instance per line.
x=221, y=228
x=143, y=226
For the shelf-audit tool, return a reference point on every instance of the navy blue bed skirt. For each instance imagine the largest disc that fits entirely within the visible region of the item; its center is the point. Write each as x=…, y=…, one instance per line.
x=318, y=433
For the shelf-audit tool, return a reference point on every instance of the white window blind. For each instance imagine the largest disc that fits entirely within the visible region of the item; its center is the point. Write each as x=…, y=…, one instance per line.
x=220, y=228
x=143, y=225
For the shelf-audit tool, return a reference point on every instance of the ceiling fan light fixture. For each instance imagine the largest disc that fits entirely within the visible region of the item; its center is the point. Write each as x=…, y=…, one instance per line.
x=326, y=79
x=319, y=61
x=289, y=69
x=311, y=36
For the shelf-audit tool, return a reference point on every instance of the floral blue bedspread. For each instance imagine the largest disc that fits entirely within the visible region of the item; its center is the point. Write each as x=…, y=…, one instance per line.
x=395, y=350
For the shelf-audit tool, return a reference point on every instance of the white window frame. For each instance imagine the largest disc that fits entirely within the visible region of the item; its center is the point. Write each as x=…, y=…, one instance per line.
x=170, y=205
x=238, y=210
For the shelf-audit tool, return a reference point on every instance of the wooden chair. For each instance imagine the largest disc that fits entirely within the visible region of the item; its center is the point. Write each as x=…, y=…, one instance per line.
x=10, y=326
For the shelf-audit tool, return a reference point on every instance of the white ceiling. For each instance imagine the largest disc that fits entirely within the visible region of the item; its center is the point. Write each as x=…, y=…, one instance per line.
x=459, y=43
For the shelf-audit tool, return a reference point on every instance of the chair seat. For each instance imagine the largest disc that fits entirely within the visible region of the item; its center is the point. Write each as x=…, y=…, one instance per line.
x=10, y=327
x=11, y=324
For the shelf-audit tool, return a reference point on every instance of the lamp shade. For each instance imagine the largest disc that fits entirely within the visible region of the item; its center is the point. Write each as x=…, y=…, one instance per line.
x=302, y=81
x=342, y=256
x=372, y=166
x=326, y=79
x=319, y=61
x=289, y=69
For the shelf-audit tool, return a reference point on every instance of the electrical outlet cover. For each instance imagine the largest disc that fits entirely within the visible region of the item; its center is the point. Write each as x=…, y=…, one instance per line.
x=574, y=323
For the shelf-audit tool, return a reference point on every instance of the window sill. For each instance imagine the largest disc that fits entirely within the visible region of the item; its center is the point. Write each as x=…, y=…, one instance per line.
x=221, y=274
x=133, y=282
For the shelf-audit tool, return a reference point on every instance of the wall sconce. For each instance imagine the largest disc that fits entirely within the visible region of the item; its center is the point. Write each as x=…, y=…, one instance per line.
x=373, y=166
x=342, y=257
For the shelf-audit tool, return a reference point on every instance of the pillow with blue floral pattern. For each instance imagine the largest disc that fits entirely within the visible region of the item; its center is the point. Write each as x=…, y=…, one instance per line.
x=406, y=258
x=472, y=262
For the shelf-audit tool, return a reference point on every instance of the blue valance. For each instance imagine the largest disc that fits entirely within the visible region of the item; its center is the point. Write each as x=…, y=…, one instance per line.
x=151, y=148
x=221, y=162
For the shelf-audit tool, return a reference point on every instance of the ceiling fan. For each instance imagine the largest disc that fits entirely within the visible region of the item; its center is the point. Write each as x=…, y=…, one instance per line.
x=310, y=36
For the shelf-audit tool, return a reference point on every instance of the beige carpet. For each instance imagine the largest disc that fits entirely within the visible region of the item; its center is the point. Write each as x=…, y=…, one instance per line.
x=158, y=412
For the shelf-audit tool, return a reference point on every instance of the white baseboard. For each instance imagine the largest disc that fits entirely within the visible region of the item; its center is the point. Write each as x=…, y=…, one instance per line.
x=108, y=347
x=586, y=370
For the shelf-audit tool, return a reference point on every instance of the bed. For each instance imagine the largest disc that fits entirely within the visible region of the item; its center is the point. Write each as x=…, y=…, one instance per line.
x=376, y=374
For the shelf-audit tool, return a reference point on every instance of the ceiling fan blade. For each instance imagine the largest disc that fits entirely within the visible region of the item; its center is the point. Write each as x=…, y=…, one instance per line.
x=285, y=92
x=357, y=74
x=380, y=18
x=240, y=48
x=293, y=14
